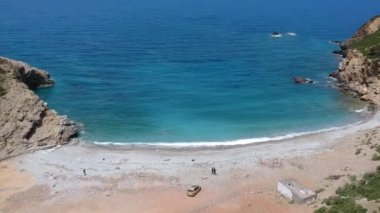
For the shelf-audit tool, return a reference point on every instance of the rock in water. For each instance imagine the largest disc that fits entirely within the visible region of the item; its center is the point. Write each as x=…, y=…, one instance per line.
x=335, y=42
x=25, y=121
x=339, y=52
x=302, y=80
x=334, y=74
x=276, y=34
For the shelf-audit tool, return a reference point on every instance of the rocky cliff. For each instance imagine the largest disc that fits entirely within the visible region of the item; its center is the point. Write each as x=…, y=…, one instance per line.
x=26, y=123
x=359, y=70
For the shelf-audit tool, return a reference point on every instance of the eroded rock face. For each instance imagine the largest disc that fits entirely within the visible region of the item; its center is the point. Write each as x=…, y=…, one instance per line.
x=357, y=72
x=361, y=75
x=25, y=121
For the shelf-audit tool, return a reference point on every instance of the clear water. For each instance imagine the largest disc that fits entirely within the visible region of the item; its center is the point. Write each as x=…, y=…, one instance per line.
x=186, y=70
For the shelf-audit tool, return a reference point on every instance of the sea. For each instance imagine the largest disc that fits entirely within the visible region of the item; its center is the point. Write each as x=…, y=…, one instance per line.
x=188, y=71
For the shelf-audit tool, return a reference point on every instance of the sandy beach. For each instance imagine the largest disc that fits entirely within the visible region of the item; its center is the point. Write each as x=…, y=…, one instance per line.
x=222, y=95
x=155, y=179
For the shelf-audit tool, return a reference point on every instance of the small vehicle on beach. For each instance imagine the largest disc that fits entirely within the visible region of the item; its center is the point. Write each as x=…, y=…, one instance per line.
x=193, y=190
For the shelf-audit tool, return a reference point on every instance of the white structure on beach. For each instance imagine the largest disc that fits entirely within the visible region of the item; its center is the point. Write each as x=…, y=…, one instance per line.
x=293, y=190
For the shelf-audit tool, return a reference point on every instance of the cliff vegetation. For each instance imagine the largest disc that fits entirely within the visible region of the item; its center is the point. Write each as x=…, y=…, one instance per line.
x=369, y=46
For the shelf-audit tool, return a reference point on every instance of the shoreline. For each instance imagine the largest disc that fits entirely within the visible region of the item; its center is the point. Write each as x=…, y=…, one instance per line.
x=141, y=179
x=372, y=116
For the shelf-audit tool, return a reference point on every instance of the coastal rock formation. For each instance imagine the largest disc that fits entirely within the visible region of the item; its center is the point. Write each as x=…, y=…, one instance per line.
x=339, y=52
x=26, y=123
x=368, y=28
x=359, y=70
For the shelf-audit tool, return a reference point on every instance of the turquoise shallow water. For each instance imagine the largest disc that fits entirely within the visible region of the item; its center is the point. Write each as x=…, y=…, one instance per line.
x=186, y=70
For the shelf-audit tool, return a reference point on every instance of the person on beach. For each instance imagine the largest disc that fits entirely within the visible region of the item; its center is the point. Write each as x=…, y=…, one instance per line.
x=84, y=172
x=213, y=171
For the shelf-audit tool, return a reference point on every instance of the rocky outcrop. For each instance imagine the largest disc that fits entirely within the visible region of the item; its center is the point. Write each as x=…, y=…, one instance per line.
x=26, y=123
x=31, y=76
x=359, y=71
x=367, y=29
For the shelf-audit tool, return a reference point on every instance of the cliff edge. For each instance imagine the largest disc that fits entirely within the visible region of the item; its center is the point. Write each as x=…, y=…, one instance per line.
x=26, y=123
x=359, y=70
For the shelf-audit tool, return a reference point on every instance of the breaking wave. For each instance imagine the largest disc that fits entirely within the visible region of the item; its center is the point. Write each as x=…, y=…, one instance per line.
x=228, y=143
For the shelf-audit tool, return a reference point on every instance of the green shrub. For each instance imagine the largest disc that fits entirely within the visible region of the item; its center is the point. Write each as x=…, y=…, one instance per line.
x=2, y=78
x=368, y=187
x=347, y=190
x=341, y=205
x=321, y=210
x=371, y=190
x=375, y=157
x=345, y=201
x=369, y=45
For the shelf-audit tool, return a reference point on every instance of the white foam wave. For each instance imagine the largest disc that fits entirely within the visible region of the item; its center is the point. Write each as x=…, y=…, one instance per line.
x=277, y=36
x=292, y=34
x=361, y=110
x=229, y=143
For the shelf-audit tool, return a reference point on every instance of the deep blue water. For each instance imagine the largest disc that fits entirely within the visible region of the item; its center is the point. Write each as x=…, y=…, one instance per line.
x=186, y=70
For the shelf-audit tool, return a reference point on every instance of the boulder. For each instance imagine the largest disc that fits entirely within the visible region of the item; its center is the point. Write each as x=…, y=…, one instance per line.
x=334, y=74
